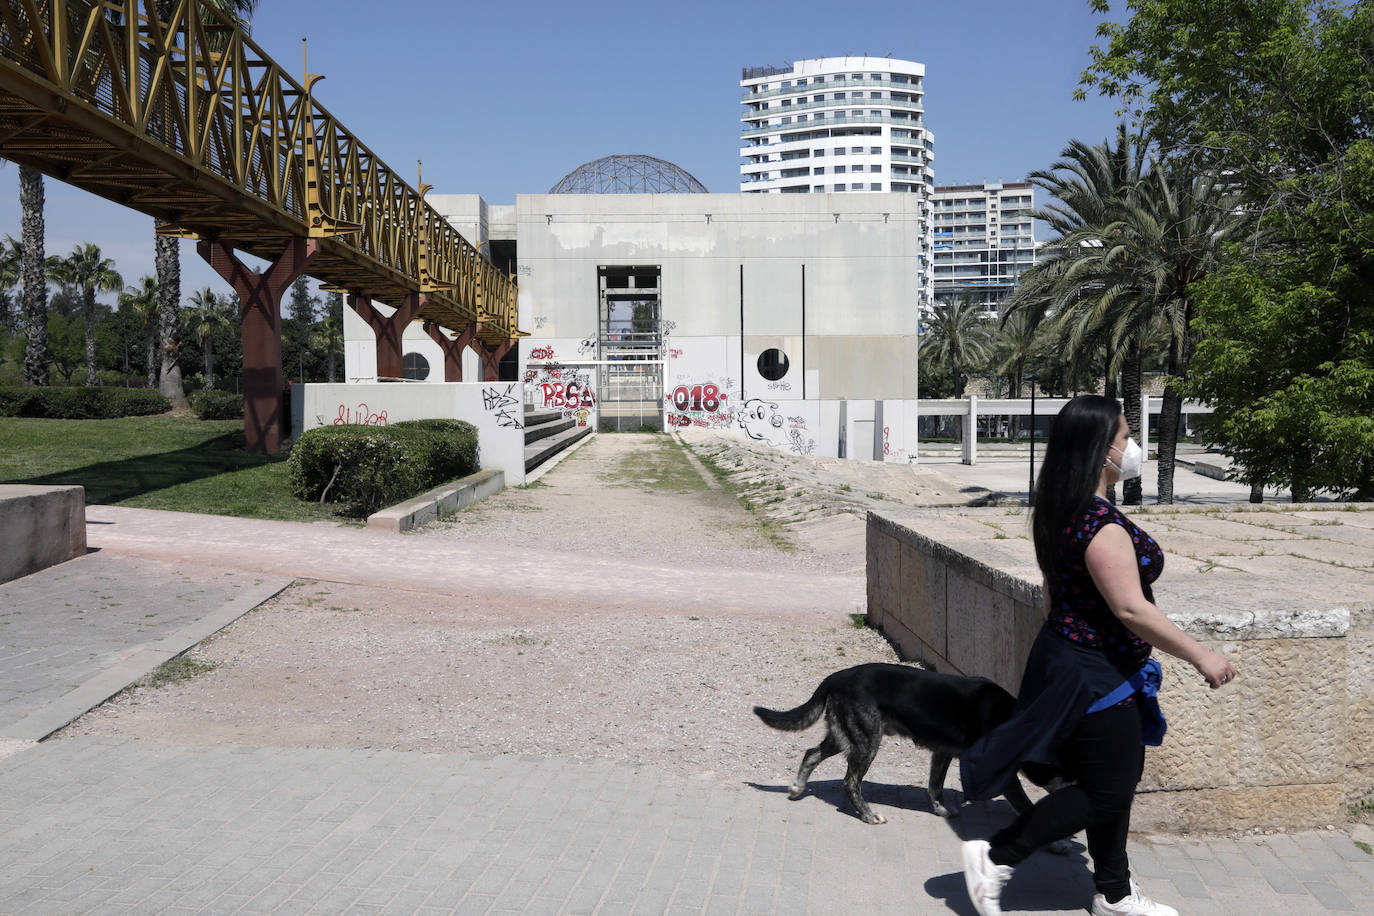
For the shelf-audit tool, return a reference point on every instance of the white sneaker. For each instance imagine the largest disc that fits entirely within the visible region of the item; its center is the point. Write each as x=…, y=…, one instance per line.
x=985, y=878
x=1134, y=904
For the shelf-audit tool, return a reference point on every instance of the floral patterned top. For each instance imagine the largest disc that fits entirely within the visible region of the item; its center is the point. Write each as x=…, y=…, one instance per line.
x=1078, y=612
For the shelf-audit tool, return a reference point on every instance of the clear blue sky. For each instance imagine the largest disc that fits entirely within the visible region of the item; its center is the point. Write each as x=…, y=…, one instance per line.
x=505, y=98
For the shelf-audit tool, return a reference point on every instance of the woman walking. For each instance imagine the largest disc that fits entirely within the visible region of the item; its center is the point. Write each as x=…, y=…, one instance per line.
x=1086, y=700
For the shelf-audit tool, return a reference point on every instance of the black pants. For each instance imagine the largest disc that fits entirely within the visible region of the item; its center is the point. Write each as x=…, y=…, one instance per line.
x=1104, y=757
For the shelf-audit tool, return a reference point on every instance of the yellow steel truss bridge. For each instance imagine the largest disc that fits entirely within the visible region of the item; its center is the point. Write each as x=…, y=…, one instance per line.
x=188, y=121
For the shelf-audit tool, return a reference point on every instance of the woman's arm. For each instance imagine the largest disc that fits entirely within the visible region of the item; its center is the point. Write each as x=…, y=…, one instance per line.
x=1111, y=562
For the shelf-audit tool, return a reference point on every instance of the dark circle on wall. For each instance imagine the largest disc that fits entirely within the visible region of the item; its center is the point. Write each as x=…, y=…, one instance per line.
x=773, y=364
x=414, y=367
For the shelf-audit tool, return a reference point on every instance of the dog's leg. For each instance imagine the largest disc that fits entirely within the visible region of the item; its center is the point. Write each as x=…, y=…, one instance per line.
x=810, y=760
x=860, y=759
x=939, y=766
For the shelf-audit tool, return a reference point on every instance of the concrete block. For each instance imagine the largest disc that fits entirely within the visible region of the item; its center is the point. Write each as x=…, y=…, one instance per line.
x=40, y=527
x=447, y=499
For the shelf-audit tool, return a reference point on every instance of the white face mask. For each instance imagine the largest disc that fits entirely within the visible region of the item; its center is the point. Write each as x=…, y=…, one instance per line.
x=1132, y=459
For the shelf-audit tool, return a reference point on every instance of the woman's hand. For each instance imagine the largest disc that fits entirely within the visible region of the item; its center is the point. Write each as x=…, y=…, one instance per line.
x=1214, y=667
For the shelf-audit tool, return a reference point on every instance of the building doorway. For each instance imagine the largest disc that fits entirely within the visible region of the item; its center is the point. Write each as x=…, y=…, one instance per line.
x=630, y=349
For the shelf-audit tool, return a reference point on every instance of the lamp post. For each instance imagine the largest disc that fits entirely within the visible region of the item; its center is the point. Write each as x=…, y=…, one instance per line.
x=1030, y=489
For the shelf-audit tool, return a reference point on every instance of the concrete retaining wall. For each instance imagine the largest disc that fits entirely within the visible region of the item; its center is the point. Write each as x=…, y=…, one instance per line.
x=40, y=527
x=1285, y=594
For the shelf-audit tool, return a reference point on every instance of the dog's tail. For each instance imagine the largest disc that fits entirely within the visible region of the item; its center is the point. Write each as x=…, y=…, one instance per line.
x=794, y=720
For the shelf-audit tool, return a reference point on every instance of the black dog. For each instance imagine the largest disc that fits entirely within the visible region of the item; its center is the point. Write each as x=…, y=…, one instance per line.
x=944, y=713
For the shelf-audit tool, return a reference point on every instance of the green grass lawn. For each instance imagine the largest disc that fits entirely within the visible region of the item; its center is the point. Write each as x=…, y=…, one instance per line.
x=164, y=462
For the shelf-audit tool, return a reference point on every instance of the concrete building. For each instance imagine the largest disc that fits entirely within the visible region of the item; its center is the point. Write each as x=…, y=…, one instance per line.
x=984, y=240
x=787, y=319
x=836, y=124
x=840, y=125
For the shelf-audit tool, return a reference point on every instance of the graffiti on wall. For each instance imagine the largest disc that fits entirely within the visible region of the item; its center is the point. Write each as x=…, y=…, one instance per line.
x=764, y=421
x=889, y=451
x=504, y=404
x=360, y=415
x=567, y=389
x=701, y=402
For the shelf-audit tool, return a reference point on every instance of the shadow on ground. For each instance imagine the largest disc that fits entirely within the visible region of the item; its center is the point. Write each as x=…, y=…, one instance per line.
x=110, y=482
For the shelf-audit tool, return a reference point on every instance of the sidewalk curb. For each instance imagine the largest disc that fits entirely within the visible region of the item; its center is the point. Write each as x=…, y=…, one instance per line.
x=135, y=663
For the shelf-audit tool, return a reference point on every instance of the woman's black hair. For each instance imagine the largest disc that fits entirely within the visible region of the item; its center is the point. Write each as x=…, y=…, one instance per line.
x=1074, y=456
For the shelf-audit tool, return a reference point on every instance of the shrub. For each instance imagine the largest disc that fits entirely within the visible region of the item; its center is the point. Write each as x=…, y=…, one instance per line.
x=368, y=467
x=217, y=405
x=81, y=403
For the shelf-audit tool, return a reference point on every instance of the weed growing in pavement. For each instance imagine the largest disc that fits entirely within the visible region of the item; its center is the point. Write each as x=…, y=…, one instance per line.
x=181, y=668
x=859, y=621
x=770, y=529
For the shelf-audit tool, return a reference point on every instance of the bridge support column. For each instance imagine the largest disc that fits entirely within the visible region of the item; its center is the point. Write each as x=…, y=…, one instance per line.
x=453, y=348
x=260, y=296
x=388, y=330
x=491, y=358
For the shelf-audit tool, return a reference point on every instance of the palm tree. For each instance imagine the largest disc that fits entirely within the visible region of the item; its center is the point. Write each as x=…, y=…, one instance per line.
x=1017, y=339
x=143, y=299
x=88, y=272
x=959, y=336
x=328, y=333
x=208, y=315
x=35, y=295
x=11, y=268
x=167, y=249
x=1086, y=278
x=1176, y=228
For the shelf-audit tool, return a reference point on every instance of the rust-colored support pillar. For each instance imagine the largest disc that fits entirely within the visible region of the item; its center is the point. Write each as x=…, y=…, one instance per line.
x=388, y=329
x=260, y=300
x=491, y=358
x=453, y=348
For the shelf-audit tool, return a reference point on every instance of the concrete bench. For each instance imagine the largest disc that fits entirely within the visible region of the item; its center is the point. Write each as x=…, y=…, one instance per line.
x=40, y=527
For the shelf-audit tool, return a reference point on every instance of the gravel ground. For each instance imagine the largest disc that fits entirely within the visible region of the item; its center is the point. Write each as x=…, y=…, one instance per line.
x=328, y=664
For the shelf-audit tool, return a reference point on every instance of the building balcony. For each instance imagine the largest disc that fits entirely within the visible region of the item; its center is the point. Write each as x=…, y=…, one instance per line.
x=915, y=87
x=831, y=122
x=843, y=104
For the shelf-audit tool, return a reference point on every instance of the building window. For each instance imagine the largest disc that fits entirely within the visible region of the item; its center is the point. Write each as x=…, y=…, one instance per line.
x=839, y=170
x=875, y=168
x=875, y=150
x=818, y=152
x=414, y=367
x=875, y=186
x=856, y=149
x=773, y=364
x=818, y=170
x=856, y=186
x=839, y=96
x=839, y=151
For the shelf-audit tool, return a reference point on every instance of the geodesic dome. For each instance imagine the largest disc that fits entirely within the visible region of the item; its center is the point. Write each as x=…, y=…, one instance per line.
x=628, y=175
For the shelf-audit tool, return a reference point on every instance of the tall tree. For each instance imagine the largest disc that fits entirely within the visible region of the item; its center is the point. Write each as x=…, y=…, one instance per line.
x=36, y=355
x=167, y=249
x=1082, y=283
x=1278, y=101
x=959, y=337
x=208, y=315
x=143, y=300
x=87, y=272
x=11, y=269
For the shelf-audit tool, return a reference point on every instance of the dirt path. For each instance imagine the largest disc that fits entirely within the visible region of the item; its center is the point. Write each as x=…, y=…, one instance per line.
x=639, y=681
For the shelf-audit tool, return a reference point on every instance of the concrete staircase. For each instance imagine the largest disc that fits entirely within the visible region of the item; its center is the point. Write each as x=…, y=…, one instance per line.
x=547, y=434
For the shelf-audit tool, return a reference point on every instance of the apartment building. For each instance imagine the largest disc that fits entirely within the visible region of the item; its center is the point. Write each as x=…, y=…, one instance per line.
x=835, y=124
x=984, y=241
x=841, y=125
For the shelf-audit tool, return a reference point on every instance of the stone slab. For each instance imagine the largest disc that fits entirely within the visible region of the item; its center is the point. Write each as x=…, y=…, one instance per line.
x=40, y=527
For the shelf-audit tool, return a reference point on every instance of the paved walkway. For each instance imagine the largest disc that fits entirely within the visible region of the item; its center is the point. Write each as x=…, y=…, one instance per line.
x=108, y=826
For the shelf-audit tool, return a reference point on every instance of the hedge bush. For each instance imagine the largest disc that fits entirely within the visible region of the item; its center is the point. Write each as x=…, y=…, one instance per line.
x=366, y=468
x=81, y=403
x=216, y=405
